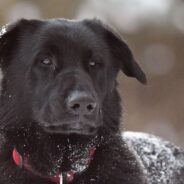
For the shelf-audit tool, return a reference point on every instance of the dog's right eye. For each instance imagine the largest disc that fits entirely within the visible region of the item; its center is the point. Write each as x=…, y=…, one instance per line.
x=46, y=61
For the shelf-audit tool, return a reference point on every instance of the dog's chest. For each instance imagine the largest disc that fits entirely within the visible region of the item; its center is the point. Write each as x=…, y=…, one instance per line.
x=68, y=157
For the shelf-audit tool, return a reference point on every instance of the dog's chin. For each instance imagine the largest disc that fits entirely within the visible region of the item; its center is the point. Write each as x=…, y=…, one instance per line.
x=70, y=130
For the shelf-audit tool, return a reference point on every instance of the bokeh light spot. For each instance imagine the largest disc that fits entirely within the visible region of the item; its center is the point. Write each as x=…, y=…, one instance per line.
x=158, y=59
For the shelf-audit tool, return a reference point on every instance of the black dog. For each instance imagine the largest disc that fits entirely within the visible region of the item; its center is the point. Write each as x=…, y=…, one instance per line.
x=60, y=110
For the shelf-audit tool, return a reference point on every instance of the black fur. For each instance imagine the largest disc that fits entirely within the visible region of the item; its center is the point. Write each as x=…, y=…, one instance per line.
x=34, y=114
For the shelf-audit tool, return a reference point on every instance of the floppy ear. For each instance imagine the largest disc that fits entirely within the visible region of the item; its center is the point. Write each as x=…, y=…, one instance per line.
x=8, y=40
x=120, y=51
x=10, y=35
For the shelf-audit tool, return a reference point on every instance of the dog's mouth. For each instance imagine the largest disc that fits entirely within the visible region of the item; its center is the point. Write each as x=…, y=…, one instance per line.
x=74, y=125
x=67, y=129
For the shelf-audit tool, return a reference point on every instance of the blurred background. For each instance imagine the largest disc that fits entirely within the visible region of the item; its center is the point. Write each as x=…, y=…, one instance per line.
x=154, y=29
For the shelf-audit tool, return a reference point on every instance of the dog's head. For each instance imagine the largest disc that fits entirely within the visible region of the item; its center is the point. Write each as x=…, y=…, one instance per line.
x=62, y=74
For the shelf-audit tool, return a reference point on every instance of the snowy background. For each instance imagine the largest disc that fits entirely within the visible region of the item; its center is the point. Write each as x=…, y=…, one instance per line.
x=154, y=30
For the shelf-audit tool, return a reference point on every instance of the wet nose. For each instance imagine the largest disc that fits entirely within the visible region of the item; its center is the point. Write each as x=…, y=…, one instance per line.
x=81, y=103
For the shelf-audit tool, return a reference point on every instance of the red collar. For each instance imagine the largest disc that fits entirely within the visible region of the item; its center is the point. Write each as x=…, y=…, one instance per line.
x=61, y=178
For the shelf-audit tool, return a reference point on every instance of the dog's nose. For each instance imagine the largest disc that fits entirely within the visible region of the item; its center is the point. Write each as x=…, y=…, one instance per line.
x=81, y=103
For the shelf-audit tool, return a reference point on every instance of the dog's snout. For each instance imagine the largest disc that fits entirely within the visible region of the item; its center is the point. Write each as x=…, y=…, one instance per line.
x=81, y=103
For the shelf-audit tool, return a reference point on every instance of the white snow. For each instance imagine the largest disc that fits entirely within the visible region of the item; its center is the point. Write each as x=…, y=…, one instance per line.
x=2, y=32
x=163, y=161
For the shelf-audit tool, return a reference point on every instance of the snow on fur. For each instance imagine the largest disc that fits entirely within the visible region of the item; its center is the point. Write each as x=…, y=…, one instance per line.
x=163, y=161
x=3, y=30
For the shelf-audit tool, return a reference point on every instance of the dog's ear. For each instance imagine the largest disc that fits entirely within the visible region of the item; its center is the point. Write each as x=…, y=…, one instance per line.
x=120, y=50
x=10, y=35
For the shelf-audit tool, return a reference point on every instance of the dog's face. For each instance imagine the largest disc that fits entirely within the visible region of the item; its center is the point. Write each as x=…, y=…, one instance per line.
x=63, y=71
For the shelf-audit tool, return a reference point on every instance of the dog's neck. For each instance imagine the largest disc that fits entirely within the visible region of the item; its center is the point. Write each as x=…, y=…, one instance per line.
x=49, y=153
x=78, y=167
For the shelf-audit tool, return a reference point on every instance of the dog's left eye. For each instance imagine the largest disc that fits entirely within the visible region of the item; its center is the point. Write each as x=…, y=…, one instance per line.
x=94, y=64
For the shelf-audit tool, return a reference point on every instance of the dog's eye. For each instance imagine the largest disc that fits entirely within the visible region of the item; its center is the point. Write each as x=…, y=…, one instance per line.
x=94, y=64
x=46, y=61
